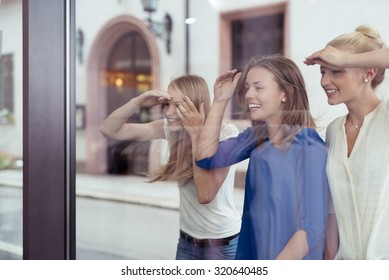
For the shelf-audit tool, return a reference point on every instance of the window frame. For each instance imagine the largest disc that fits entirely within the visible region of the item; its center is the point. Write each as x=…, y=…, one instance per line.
x=48, y=129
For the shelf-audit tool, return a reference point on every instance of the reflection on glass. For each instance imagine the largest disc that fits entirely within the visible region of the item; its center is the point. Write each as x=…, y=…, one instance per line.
x=111, y=183
x=11, y=157
x=119, y=214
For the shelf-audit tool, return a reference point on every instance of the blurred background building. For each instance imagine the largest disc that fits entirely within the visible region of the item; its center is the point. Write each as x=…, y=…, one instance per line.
x=125, y=47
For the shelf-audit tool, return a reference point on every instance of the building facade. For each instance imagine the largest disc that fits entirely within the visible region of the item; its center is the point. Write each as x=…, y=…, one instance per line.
x=117, y=56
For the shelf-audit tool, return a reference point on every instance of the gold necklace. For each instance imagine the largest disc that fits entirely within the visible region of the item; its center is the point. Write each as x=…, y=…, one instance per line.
x=356, y=126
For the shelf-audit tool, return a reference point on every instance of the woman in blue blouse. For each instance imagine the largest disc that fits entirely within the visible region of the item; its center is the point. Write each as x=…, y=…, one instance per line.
x=286, y=192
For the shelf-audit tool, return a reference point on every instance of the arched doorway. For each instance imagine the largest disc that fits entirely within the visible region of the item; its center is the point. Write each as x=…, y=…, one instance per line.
x=123, y=62
x=128, y=74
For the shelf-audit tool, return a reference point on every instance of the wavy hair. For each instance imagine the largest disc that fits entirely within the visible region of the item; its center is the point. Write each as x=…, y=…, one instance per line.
x=296, y=111
x=180, y=163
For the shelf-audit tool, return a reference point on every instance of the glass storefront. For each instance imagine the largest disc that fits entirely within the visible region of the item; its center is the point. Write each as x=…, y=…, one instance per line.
x=121, y=50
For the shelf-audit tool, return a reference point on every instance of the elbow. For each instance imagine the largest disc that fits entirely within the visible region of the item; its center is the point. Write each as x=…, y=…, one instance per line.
x=205, y=198
x=103, y=130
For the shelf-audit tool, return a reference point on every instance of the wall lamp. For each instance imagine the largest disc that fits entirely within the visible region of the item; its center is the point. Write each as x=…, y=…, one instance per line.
x=80, y=45
x=163, y=29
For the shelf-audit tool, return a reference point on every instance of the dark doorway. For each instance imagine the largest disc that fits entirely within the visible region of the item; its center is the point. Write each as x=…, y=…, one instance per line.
x=128, y=74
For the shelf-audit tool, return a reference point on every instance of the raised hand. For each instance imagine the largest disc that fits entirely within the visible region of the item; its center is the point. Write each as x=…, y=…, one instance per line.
x=328, y=57
x=225, y=84
x=152, y=98
x=191, y=119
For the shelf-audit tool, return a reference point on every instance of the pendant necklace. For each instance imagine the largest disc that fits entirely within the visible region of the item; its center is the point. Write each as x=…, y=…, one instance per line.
x=356, y=126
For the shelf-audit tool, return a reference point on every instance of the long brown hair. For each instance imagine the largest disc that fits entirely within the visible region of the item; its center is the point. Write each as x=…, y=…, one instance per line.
x=180, y=164
x=363, y=39
x=296, y=112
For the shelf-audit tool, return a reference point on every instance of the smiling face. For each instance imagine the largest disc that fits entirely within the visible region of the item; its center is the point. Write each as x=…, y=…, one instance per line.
x=263, y=97
x=342, y=85
x=170, y=112
x=192, y=86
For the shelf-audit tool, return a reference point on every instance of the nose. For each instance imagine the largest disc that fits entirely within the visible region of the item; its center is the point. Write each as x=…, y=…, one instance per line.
x=249, y=93
x=325, y=82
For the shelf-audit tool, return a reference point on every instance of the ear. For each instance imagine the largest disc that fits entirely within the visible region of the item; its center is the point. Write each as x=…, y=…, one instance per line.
x=370, y=73
x=283, y=98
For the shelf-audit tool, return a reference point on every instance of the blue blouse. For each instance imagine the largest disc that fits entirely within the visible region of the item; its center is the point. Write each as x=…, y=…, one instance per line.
x=286, y=191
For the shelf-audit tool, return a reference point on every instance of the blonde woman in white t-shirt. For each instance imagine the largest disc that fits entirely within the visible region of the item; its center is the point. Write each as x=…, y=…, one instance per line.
x=352, y=66
x=209, y=221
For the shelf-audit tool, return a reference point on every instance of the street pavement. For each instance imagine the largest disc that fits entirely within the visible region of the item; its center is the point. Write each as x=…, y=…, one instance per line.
x=118, y=217
x=121, y=188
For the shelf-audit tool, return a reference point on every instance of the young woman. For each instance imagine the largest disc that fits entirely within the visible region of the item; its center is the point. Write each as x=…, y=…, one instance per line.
x=352, y=66
x=209, y=221
x=285, y=206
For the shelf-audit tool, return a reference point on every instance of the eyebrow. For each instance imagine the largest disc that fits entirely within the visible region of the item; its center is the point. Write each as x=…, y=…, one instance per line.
x=255, y=83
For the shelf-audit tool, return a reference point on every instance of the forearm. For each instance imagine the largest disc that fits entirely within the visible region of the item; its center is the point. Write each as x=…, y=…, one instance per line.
x=378, y=58
x=207, y=182
x=208, y=142
x=114, y=122
x=203, y=180
x=296, y=248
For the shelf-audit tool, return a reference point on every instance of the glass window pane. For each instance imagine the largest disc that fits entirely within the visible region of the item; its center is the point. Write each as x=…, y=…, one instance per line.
x=117, y=208
x=11, y=123
x=120, y=214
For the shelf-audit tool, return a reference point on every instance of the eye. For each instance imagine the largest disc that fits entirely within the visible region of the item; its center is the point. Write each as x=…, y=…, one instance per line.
x=164, y=105
x=337, y=72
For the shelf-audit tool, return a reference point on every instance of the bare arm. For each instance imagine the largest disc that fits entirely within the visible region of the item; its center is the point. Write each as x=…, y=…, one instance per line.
x=115, y=126
x=207, y=182
x=296, y=248
x=332, y=57
x=209, y=138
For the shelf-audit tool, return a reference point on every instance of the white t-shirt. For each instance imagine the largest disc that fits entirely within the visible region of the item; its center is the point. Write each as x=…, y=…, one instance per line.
x=217, y=219
x=360, y=186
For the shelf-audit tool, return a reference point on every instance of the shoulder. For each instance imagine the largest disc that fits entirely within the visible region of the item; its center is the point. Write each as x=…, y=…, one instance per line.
x=312, y=146
x=385, y=106
x=337, y=122
x=308, y=138
x=334, y=126
x=228, y=130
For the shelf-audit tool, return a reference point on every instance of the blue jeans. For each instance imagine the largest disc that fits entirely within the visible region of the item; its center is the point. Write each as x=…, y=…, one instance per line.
x=188, y=251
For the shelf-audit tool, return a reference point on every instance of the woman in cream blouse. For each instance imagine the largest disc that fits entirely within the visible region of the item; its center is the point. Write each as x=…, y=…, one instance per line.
x=352, y=66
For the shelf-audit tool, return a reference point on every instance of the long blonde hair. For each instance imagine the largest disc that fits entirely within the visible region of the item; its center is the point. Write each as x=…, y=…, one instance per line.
x=180, y=164
x=363, y=39
x=296, y=112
